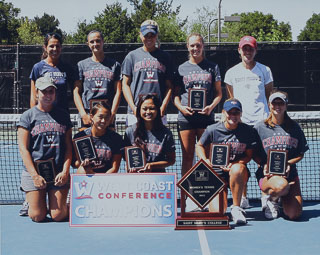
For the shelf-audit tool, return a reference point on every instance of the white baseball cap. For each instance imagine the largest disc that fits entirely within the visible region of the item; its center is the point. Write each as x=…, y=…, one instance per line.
x=44, y=82
x=280, y=95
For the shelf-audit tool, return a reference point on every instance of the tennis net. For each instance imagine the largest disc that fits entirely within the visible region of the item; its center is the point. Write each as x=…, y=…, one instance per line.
x=11, y=164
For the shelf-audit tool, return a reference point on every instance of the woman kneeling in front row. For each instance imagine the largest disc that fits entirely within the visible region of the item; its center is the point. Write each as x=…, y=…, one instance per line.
x=280, y=132
x=240, y=136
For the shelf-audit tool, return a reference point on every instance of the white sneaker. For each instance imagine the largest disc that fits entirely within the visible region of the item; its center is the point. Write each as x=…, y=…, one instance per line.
x=244, y=204
x=264, y=200
x=271, y=210
x=24, y=209
x=237, y=214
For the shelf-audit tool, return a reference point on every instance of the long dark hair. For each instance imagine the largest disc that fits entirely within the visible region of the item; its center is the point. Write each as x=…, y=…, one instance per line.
x=98, y=105
x=140, y=131
x=46, y=42
x=287, y=121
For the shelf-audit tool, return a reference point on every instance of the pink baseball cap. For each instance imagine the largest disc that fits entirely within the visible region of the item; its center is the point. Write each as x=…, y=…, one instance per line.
x=248, y=40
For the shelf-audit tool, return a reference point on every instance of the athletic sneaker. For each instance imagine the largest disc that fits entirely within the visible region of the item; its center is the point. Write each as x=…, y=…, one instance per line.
x=24, y=210
x=237, y=214
x=270, y=208
x=244, y=203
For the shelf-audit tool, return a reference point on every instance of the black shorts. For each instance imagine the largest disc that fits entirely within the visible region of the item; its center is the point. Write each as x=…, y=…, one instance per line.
x=196, y=124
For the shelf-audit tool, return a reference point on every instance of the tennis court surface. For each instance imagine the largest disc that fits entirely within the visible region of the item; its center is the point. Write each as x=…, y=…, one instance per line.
x=19, y=235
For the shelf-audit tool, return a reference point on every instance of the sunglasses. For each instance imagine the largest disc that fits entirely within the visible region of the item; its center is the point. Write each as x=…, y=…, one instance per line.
x=50, y=35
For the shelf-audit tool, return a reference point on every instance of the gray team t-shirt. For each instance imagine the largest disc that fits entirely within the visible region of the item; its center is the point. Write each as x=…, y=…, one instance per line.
x=292, y=140
x=47, y=134
x=240, y=139
x=148, y=71
x=158, y=144
x=98, y=79
x=106, y=147
x=202, y=75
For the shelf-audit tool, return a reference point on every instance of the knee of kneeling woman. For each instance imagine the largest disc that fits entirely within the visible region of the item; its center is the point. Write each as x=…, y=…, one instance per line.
x=37, y=217
x=292, y=214
x=280, y=186
x=59, y=215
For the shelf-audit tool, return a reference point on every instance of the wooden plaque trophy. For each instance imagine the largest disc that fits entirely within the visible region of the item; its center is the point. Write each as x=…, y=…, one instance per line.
x=201, y=184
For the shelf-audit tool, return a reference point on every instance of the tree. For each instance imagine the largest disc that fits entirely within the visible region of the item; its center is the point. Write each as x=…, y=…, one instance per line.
x=8, y=23
x=311, y=31
x=161, y=11
x=48, y=24
x=118, y=26
x=170, y=30
x=262, y=26
x=200, y=24
x=29, y=32
x=113, y=22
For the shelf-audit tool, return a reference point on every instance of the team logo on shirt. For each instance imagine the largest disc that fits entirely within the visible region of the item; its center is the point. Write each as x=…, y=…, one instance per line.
x=98, y=83
x=48, y=127
x=50, y=138
x=148, y=63
x=150, y=74
x=197, y=77
x=280, y=141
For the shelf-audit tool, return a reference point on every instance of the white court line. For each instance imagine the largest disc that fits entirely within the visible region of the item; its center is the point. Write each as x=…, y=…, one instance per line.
x=203, y=242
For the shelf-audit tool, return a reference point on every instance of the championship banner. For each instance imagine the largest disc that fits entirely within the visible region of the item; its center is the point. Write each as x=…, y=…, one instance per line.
x=123, y=200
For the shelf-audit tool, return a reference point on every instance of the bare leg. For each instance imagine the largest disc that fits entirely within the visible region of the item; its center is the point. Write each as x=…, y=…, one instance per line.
x=292, y=202
x=238, y=179
x=57, y=204
x=188, y=141
x=37, y=205
x=275, y=186
x=214, y=204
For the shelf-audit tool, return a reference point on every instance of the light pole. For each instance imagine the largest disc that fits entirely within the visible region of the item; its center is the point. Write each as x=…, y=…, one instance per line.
x=210, y=22
x=226, y=19
x=219, y=21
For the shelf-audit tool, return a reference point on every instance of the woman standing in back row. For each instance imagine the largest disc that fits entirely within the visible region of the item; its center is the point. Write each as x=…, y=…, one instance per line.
x=251, y=82
x=99, y=79
x=52, y=66
x=146, y=70
x=197, y=72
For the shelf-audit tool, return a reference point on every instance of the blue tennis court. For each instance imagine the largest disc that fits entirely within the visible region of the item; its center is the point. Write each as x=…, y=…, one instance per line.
x=19, y=235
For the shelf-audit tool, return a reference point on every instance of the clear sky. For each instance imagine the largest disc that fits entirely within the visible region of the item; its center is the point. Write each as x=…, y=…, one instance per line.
x=69, y=12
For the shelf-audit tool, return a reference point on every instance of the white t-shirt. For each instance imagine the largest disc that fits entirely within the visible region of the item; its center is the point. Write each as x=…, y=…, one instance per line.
x=249, y=88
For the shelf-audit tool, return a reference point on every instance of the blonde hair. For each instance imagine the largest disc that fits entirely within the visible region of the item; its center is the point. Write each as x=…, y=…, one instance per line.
x=150, y=22
x=201, y=39
x=154, y=23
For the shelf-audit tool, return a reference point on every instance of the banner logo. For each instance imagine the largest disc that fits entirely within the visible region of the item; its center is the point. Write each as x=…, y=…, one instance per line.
x=83, y=190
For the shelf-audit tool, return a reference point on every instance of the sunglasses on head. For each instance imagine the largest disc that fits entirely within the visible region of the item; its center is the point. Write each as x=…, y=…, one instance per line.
x=56, y=35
